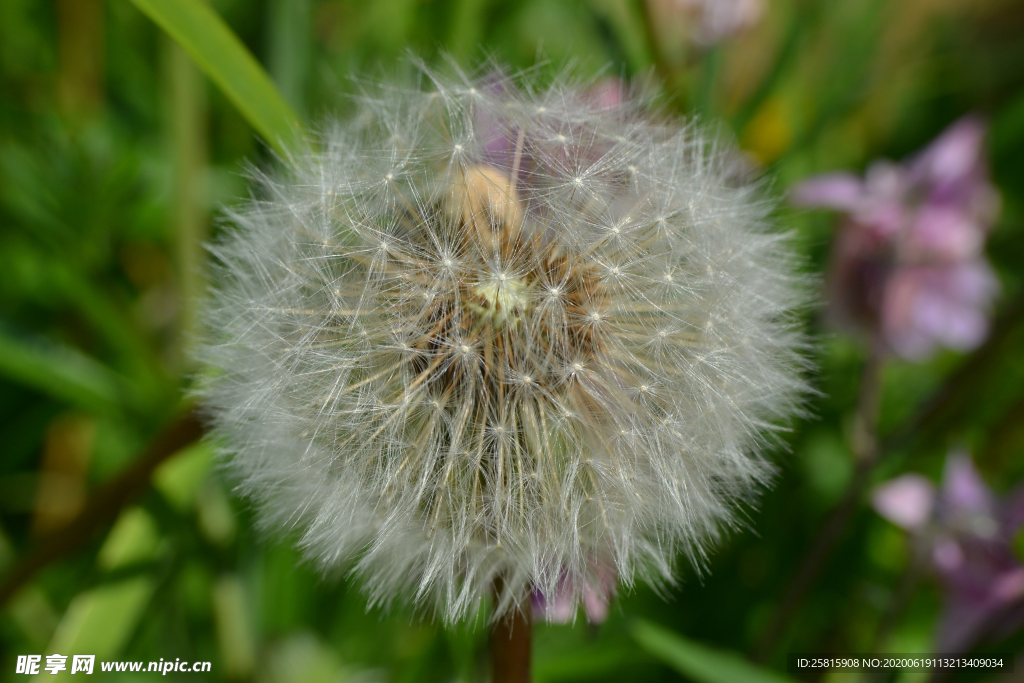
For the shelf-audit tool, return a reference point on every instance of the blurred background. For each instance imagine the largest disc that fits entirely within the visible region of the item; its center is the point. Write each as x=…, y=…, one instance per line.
x=117, y=156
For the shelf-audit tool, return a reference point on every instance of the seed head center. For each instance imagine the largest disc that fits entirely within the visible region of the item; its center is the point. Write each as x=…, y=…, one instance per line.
x=504, y=297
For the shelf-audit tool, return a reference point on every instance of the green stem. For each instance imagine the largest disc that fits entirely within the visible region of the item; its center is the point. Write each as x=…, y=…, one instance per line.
x=188, y=147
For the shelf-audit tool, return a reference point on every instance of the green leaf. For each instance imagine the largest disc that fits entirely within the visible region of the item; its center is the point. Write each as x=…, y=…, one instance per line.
x=179, y=478
x=134, y=538
x=582, y=664
x=61, y=372
x=101, y=620
x=219, y=53
x=700, y=663
x=234, y=627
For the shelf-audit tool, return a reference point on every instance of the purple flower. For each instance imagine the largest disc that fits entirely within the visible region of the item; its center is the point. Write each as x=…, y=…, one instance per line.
x=968, y=534
x=598, y=590
x=908, y=263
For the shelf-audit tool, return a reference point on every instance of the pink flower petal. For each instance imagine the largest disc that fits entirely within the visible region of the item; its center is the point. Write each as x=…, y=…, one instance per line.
x=925, y=306
x=559, y=608
x=947, y=555
x=608, y=93
x=843, y=191
x=902, y=315
x=948, y=311
x=963, y=489
x=906, y=501
x=1009, y=586
x=595, y=604
x=945, y=232
x=954, y=155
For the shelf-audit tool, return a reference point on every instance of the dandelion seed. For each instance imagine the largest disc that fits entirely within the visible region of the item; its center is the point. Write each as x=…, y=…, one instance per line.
x=433, y=476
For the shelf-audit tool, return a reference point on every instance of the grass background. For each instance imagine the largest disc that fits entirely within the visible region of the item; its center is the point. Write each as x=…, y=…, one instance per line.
x=117, y=155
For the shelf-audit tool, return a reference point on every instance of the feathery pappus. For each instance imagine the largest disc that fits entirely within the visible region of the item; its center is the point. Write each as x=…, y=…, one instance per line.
x=496, y=334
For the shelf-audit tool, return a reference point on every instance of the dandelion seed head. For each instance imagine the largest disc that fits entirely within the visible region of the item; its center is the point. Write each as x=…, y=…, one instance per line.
x=391, y=365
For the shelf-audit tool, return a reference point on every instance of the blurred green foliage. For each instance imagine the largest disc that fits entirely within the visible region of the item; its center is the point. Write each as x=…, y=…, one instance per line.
x=116, y=156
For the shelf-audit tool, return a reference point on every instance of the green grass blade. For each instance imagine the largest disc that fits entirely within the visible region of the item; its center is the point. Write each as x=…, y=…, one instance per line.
x=101, y=620
x=61, y=372
x=229, y=64
x=700, y=663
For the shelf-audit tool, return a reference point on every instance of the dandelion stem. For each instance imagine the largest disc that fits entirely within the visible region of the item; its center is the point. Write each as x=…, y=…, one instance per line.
x=510, y=645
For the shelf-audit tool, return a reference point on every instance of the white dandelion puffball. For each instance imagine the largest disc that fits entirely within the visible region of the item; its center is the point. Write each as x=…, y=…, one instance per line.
x=496, y=335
